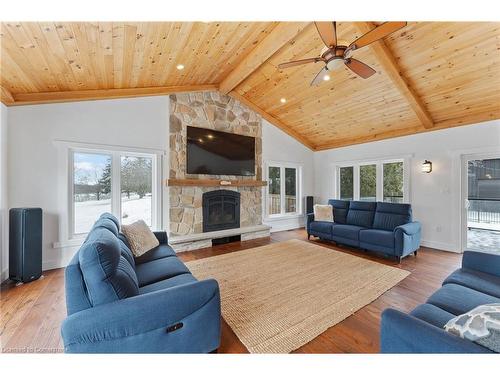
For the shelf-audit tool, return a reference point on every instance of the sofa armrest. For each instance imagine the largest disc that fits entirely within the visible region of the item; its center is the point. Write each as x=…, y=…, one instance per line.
x=407, y=238
x=139, y=314
x=310, y=219
x=409, y=228
x=161, y=236
x=403, y=333
x=482, y=262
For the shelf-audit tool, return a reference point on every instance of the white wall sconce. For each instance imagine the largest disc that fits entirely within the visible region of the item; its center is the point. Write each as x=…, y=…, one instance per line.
x=427, y=166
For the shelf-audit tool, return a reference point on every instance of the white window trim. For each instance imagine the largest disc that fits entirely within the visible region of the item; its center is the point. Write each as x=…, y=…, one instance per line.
x=66, y=150
x=379, y=162
x=299, y=189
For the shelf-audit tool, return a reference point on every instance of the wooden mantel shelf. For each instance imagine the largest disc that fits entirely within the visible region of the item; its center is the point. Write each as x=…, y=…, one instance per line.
x=214, y=182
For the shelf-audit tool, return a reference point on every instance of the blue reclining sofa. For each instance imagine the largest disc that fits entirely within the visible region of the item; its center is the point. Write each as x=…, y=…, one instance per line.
x=151, y=304
x=421, y=331
x=378, y=226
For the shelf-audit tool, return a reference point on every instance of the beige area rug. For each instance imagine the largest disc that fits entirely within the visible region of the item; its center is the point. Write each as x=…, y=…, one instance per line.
x=278, y=297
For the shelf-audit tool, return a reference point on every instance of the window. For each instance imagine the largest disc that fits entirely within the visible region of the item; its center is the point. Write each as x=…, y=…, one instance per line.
x=136, y=181
x=384, y=180
x=346, y=183
x=393, y=182
x=283, y=190
x=368, y=182
x=91, y=189
x=121, y=182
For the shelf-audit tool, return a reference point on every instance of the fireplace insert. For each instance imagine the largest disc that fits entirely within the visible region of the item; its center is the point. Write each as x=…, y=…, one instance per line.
x=221, y=210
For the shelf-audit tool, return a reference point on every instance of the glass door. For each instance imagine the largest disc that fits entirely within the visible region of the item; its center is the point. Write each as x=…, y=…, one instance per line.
x=482, y=204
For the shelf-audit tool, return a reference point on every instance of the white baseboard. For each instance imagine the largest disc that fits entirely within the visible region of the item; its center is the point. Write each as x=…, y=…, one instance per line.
x=4, y=275
x=284, y=227
x=441, y=246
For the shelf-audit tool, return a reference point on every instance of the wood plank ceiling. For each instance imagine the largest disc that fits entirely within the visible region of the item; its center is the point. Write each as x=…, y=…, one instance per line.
x=430, y=75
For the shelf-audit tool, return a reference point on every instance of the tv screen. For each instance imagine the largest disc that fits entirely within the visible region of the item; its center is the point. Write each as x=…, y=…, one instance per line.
x=214, y=152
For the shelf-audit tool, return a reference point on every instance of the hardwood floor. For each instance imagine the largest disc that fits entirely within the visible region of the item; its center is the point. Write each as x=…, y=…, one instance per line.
x=31, y=314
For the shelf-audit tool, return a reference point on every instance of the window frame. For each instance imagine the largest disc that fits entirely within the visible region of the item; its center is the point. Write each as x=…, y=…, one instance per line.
x=298, y=189
x=379, y=176
x=66, y=151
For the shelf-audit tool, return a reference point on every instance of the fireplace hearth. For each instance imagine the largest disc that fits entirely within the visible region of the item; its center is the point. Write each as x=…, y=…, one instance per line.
x=221, y=210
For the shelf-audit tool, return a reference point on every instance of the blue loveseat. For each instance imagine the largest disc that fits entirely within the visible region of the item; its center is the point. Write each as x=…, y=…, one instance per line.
x=421, y=331
x=150, y=304
x=378, y=226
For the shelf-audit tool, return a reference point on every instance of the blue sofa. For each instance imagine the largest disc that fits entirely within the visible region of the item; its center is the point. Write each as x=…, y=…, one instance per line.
x=421, y=331
x=151, y=304
x=378, y=226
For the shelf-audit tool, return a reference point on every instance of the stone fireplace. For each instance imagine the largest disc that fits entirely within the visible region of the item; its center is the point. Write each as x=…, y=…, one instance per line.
x=211, y=110
x=221, y=210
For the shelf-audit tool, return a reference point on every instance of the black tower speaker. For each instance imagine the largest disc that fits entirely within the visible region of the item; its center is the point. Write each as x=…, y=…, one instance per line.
x=309, y=204
x=25, y=244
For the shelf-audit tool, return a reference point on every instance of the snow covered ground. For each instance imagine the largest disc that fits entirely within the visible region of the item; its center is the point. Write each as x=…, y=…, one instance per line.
x=133, y=209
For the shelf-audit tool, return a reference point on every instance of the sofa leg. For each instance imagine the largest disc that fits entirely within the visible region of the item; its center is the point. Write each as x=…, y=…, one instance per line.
x=398, y=259
x=214, y=351
x=308, y=236
x=415, y=252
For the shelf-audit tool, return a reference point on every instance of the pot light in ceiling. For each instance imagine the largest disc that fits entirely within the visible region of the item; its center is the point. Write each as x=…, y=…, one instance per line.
x=283, y=100
x=326, y=77
x=180, y=67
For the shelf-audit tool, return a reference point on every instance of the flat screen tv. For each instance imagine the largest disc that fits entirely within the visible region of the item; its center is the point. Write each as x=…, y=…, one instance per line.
x=219, y=153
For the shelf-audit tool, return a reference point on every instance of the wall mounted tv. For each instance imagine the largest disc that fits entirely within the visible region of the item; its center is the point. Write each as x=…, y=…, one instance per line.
x=219, y=153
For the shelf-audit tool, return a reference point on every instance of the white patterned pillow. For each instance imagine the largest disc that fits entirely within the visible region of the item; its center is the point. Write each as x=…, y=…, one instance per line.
x=323, y=212
x=481, y=325
x=139, y=237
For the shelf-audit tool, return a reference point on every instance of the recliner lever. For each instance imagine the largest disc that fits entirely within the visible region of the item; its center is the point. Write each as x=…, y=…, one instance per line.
x=175, y=327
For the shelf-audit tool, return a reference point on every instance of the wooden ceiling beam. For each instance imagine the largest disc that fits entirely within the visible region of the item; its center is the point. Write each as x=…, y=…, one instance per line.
x=83, y=95
x=283, y=33
x=388, y=62
x=273, y=120
x=5, y=96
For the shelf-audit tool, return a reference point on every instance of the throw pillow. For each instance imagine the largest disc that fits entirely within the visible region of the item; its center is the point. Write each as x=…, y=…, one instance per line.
x=139, y=237
x=481, y=325
x=323, y=212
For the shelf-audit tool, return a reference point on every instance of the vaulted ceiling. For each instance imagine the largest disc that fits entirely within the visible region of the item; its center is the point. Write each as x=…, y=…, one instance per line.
x=430, y=75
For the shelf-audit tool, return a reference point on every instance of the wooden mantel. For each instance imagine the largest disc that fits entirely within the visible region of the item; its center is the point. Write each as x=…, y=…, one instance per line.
x=214, y=182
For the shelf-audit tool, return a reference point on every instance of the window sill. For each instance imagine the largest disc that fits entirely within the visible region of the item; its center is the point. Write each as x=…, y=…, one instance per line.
x=68, y=243
x=283, y=217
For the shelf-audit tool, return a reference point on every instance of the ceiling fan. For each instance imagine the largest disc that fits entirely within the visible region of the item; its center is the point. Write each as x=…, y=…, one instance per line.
x=334, y=55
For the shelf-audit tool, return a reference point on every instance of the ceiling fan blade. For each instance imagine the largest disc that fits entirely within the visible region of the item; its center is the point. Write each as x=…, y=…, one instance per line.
x=377, y=33
x=361, y=69
x=299, y=62
x=320, y=77
x=328, y=33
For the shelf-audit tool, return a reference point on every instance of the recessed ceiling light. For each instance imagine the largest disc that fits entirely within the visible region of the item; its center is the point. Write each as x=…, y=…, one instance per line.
x=283, y=100
x=210, y=136
x=326, y=77
x=180, y=67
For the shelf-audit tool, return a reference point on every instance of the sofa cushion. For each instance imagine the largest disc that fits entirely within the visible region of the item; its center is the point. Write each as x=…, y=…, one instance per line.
x=140, y=237
x=340, y=209
x=323, y=212
x=390, y=215
x=159, y=252
x=458, y=299
x=480, y=281
x=321, y=227
x=376, y=236
x=107, y=221
x=159, y=269
x=432, y=314
x=185, y=278
x=125, y=250
x=108, y=275
x=347, y=231
x=361, y=213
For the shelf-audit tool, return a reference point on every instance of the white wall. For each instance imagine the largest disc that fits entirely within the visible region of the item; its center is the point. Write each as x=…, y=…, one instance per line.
x=435, y=197
x=33, y=155
x=4, y=243
x=278, y=146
